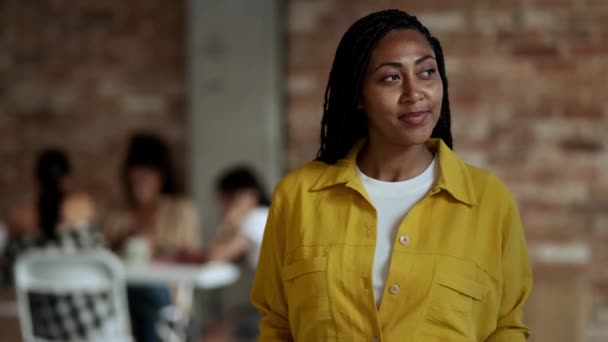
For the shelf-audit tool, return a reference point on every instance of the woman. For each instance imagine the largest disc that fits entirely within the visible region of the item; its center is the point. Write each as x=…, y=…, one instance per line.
x=61, y=220
x=154, y=211
x=156, y=223
x=244, y=210
x=388, y=235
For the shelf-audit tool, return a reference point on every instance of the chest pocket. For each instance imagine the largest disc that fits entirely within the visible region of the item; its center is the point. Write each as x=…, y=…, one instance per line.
x=451, y=313
x=305, y=283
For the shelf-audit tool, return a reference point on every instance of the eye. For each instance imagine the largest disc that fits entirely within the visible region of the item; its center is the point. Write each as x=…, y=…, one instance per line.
x=391, y=78
x=428, y=73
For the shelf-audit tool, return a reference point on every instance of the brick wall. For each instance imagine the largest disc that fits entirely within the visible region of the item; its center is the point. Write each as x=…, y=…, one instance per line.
x=527, y=90
x=82, y=75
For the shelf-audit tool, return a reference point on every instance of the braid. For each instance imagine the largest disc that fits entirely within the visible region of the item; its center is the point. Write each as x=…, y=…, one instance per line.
x=442, y=129
x=52, y=167
x=343, y=124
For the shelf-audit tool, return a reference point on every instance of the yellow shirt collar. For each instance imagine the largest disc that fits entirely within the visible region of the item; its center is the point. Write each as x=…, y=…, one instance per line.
x=453, y=177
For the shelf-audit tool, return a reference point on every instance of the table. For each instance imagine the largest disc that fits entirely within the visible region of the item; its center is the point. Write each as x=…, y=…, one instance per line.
x=211, y=275
x=208, y=276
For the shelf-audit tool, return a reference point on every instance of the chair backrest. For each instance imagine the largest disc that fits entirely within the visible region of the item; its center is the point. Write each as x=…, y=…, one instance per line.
x=58, y=273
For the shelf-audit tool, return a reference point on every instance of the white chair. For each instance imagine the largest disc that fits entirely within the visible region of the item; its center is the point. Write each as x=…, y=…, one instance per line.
x=55, y=272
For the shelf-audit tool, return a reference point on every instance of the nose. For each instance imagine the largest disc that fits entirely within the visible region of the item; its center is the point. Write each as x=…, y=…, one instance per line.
x=411, y=92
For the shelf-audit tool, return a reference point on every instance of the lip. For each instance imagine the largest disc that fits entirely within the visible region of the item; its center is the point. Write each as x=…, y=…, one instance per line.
x=414, y=118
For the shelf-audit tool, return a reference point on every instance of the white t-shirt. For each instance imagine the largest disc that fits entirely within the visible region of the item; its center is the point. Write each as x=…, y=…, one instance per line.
x=392, y=200
x=253, y=228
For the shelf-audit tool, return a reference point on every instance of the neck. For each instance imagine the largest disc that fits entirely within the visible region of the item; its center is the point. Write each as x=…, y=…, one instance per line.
x=147, y=206
x=393, y=163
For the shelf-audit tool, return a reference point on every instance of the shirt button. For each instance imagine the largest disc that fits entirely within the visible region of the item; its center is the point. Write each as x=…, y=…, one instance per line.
x=394, y=289
x=404, y=240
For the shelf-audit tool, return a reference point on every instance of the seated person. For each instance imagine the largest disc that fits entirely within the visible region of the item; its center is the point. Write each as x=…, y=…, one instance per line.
x=244, y=210
x=62, y=220
x=153, y=214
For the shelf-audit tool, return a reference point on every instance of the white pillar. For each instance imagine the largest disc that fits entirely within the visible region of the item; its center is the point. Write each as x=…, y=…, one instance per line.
x=235, y=94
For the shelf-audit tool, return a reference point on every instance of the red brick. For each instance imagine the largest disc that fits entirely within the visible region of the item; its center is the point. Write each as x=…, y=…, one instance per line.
x=557, y=66
x=539, y=50
x=554, y=3
x=588, y=48
x=62, y=52
x=596, y=4
x=581, y=145
x=510, y=36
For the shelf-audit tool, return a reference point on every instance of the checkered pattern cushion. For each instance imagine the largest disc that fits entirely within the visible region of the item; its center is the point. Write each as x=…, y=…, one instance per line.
x=70, y=317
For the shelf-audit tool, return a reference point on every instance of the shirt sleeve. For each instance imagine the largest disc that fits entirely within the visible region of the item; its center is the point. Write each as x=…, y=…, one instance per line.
x=268, y=294
x=253, y=225
x=516, y=278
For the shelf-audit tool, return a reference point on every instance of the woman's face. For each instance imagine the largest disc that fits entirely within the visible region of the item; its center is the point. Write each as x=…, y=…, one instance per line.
x=240, y=200
x=146, y=184
x=402, y=90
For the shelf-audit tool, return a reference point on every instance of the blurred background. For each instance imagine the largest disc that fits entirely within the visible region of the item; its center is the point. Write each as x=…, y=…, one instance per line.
x=235, y=81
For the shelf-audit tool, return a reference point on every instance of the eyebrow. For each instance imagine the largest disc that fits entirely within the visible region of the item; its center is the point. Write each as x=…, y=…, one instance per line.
x=400, y=65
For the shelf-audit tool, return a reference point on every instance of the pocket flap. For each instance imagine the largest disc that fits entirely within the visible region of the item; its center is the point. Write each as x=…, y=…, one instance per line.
x=463, y=285
x=302, y=267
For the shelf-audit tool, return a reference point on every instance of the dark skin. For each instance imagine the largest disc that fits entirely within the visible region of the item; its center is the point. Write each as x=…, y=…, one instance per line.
x=401, y=94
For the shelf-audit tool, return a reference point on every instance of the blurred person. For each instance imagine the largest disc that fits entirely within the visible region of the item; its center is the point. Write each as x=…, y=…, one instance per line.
x=244, y=209
x=243, y=206
x=155, y=223
x=388, y=235
x=63, y=220
x=60, y=213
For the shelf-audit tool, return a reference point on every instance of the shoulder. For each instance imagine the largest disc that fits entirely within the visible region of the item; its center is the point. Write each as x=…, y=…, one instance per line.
x=78, y=199
x=488, y=188
x=302, y=178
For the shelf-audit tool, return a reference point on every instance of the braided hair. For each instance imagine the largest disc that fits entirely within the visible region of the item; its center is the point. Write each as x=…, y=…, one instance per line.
x=52, y=167
x=343, y=124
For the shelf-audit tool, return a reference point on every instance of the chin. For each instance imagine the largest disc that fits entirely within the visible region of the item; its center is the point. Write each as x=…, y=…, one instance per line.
x=416, y=138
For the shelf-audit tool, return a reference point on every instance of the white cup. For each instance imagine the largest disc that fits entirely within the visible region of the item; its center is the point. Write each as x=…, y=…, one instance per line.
x=137, y=251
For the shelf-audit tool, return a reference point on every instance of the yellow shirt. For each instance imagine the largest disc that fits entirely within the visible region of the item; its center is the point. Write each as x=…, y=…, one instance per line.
x=459, y=269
